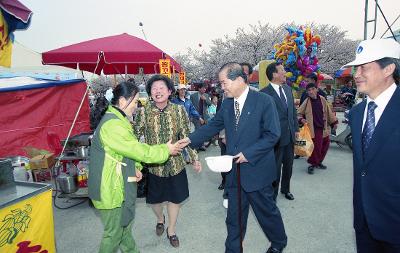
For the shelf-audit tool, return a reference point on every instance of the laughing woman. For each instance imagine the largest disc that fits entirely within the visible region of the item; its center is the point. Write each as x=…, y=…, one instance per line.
x=158, y=121
x=112, y=172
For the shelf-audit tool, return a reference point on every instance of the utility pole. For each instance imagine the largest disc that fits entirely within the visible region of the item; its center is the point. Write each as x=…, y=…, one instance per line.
x=141, y=25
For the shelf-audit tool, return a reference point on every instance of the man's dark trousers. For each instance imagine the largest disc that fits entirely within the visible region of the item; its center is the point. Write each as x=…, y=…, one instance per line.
x=284, y=162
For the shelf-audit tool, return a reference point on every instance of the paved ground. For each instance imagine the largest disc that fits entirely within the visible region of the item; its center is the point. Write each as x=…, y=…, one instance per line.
x=318, y=220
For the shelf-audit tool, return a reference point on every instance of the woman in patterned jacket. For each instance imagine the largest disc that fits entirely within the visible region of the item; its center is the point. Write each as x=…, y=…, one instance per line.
x=158, y=121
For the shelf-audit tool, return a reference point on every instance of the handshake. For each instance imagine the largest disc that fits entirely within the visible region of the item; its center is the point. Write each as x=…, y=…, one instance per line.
x=175, y=148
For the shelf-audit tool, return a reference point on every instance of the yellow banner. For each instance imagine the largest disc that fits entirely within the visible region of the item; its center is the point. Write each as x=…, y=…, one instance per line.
x=262, y=77
x=182, y=77
x=5, y=43
x=28, y=226
x=165, y=67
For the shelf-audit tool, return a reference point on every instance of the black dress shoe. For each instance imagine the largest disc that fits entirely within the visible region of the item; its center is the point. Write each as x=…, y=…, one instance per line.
x=322, y=167
x=160, y=228
x=289, y=196
x=221, y=186
x=274, y=250
x=310, y=170
x=202, y=148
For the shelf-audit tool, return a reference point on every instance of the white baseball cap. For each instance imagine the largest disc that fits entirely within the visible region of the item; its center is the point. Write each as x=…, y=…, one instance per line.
x=181, y=86
x=375, y=49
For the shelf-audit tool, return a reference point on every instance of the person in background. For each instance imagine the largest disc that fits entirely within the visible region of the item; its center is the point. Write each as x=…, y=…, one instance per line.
x=317, y=112
x=181, y=99
x=201, y=100
x=212, y=109
x=312, y=78
x=348, y=94
x=161, y=120
x=252, y=130
x=115, y=156
x=376, y=140
x=248, y=70
x=284, y=150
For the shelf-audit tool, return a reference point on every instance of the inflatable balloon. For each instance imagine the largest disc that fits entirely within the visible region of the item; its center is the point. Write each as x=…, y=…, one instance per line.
x=289, y=74
x=303, y=84
x=298, y=54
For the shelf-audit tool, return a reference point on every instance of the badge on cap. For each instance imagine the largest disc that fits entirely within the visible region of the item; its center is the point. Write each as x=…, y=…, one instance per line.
x=359, y=49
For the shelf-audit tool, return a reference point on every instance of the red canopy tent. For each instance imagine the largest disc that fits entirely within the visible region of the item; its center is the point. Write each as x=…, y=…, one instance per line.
x=34, y=111
x=119, y=54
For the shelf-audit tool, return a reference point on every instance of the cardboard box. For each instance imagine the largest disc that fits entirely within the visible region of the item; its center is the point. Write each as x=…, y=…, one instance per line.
x=41, y=175
x=42, y=161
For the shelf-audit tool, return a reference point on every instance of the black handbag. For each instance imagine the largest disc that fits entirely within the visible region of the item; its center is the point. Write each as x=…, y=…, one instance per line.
x=142, y=184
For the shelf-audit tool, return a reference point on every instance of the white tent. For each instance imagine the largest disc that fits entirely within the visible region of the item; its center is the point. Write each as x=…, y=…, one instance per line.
x=26, y=62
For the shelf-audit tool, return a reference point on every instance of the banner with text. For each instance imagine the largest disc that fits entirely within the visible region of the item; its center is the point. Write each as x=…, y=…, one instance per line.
x=182, y=77
x=165, y=67
x=28, y=226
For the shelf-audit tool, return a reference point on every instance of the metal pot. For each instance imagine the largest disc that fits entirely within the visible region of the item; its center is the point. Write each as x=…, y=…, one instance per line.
x=67, y=183
x=83, y=151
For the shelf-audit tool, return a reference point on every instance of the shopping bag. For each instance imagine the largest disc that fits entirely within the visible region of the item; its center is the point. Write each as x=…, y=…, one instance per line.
x=304, y=146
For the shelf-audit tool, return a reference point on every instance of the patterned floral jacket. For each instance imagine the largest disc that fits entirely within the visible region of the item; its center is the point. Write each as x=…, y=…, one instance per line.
x=159, y=126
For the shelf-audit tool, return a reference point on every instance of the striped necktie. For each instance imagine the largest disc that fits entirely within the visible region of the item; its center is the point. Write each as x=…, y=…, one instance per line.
x=282, y=96
x=237, y=114
x=369, y=126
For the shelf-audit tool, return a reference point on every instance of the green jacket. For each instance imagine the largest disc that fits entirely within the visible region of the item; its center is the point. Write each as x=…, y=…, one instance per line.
x=114, y=141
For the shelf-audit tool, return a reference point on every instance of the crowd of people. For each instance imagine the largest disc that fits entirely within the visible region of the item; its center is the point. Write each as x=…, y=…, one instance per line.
x=158, y=136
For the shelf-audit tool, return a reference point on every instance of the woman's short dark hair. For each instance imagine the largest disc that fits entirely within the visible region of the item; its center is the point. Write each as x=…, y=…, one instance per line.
x=123, y=89
x=167, y=81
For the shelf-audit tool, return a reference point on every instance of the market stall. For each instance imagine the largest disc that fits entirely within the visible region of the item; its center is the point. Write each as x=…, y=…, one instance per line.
x=40, y=113
x=26, y=214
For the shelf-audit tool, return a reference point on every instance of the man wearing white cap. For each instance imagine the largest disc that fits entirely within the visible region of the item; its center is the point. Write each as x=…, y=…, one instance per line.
x=181, y=99
x=375, y=126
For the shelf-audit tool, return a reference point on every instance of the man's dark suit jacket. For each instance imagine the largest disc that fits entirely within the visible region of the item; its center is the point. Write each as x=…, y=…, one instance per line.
x=258, y=132
x=287, y=117
x=376, y=192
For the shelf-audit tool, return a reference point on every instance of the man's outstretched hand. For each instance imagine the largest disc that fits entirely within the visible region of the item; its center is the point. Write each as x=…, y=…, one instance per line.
x=184, y=142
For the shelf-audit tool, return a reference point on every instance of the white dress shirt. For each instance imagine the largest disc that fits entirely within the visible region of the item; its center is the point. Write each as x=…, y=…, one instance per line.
x=242, y=98
x=276, y=88
x=381, y=101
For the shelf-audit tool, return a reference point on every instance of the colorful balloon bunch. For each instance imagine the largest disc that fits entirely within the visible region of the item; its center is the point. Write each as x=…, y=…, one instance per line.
x=298, y=53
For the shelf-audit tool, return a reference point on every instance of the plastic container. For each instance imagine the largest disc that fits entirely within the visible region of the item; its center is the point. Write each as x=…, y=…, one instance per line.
x=21, y=174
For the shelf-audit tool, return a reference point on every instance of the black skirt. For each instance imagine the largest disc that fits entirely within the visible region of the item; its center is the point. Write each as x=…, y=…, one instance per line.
x=172, y=189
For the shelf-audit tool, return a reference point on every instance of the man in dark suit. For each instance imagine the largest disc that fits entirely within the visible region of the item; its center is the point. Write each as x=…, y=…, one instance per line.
x=284, y=150
x=375, y=127
x=252, y=130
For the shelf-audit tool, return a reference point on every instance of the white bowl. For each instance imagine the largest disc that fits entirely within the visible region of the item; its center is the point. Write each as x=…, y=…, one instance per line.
x=219, y=163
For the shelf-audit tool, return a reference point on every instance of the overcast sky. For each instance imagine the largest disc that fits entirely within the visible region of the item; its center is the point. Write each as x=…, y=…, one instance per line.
x=175, y=25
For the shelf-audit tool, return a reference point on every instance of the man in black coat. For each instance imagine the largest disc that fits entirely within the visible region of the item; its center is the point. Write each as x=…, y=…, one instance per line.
x=284, y=150
x=252, y=129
